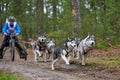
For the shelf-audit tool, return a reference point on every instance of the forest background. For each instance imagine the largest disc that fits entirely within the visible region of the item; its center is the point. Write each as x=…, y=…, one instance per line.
x=66, y=18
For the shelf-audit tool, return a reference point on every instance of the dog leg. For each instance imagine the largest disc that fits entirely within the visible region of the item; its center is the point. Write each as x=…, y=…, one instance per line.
x=48, y=54
x=78, y=55
x=36, y=57
x=39, y=53
x=83, y=59
x=45, y=56
x=65, y=59
x=53, y=63
x=69, y=58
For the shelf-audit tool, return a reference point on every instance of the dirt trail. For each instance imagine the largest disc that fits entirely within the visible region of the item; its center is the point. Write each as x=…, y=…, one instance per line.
x=34, y=72
x=41, y=70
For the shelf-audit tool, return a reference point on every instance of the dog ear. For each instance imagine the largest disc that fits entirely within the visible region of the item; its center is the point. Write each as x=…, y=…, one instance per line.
x=68, y=39
x=44, y=34
x=93, y=36
x=53, y=40
x=48, y=40
x=30, y=39
x=76, y=38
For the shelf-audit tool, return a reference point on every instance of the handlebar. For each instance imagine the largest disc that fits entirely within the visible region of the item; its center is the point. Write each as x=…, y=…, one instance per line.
x=12, y=35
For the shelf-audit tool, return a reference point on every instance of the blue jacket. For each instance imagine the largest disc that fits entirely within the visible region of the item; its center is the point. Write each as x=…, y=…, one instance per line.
x=8, y=29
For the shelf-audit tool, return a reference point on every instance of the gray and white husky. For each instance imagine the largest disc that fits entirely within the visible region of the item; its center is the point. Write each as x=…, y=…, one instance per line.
x=50, y=47
x=63, y=52
x=84, y=46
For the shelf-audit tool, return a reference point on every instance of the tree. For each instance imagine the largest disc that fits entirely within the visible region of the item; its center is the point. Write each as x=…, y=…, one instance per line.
x=40, y=13
x=76, y=13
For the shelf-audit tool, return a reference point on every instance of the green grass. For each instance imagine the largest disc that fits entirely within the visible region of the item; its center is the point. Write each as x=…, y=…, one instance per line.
x=105, y=62
x=8, y=76
x=108, y=60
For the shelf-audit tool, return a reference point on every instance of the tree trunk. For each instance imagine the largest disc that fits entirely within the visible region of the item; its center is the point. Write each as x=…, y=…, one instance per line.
x=40, y=8
x=54, y=16
x=1, y=15
x=76, y=10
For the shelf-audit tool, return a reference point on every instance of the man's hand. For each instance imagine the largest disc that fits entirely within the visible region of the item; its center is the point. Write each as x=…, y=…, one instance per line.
x=17, y=35
x=5, y=34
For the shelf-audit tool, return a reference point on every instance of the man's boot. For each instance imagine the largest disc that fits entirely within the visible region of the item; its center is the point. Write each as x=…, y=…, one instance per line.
x=1, y=55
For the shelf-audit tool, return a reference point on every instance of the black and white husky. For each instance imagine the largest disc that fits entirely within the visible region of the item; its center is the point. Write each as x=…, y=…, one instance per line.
x=84, y=46
x=63, y=52
x=39, y=47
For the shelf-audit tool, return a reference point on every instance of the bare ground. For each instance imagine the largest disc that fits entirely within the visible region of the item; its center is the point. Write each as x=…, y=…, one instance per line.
x=100, y=66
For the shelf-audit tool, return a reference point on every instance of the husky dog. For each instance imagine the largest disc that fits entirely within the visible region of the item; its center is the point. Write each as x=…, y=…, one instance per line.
x=84, y=46
x=63, y=51
x=77, y=40
x=39, y=46
x=42, y=38
x=50, y=46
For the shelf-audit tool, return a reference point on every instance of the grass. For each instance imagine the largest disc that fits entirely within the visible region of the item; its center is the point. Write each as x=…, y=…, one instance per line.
x=104, y=62
x=8, y=76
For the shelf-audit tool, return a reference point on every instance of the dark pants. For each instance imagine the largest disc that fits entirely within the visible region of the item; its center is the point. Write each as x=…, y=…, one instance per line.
x=5, y=43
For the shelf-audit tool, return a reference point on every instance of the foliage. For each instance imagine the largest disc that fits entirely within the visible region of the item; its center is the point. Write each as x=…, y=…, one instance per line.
x=59, y=36
x=98, y=17
x=101, y=44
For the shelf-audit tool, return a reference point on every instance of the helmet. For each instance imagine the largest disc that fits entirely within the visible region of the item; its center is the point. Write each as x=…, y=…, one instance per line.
x=11, y=18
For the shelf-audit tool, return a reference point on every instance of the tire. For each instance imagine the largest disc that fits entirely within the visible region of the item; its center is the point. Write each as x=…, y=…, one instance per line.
x=12, y=55
x=12, y=50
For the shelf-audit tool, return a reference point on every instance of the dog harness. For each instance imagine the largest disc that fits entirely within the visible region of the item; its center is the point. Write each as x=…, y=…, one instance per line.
x=84, y=51
x=67, y=50
x=41, y=45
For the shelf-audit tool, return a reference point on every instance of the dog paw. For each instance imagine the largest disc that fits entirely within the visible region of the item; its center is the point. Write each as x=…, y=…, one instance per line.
x=40, y=55
x=68, y=63
x=53, y=68
x=77, y=58
x=36, y=60
x=83, y=64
